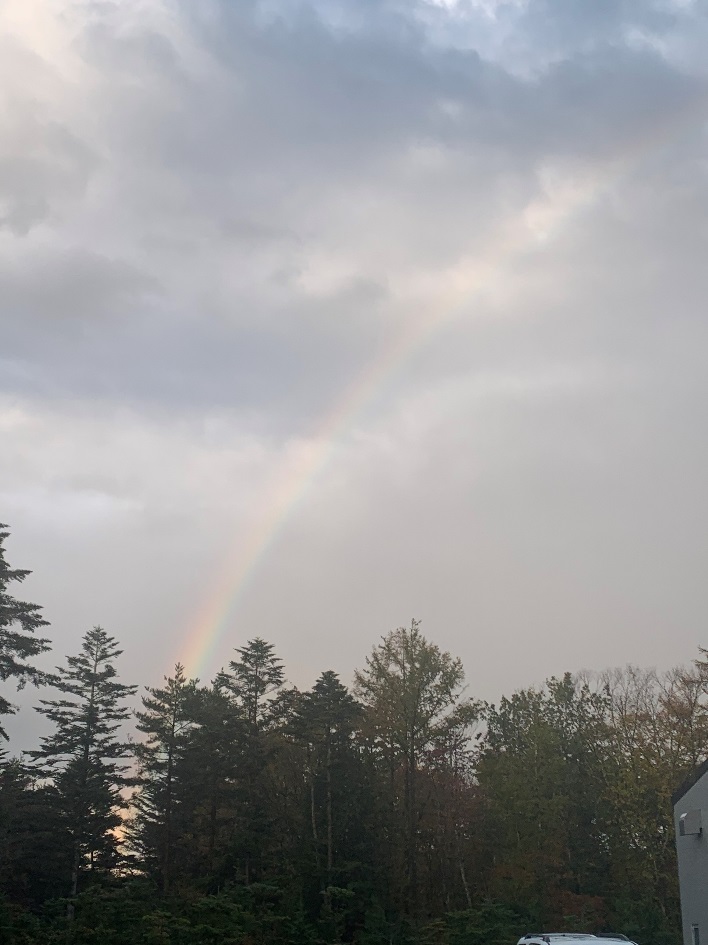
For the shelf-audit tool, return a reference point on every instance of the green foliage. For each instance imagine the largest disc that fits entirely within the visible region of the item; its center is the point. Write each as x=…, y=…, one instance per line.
x=34, y=838
x=263, y=815
x=490, y=923
x=88, y=716
x=540, y=768
x=324, y=723
x=18, y=623
x=206, y=774
x=416, y=715
x=84, y=756
x=17, y=927
x=412, y=690
x=253, y=679
x=167, y=720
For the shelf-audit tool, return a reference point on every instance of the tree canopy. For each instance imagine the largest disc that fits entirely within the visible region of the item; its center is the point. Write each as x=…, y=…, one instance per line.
x=246, y=811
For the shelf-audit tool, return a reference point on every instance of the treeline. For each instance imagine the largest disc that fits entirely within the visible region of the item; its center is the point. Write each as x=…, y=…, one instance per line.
x=247, y=812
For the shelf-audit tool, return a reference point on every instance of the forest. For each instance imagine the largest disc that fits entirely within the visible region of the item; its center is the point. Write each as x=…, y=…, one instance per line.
x=397, y=811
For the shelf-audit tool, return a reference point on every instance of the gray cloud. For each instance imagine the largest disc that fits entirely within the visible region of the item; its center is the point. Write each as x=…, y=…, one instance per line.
x=44, y=166
x=256, y=146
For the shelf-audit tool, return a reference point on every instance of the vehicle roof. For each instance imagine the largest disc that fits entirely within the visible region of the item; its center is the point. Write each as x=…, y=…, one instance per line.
x=578, y=937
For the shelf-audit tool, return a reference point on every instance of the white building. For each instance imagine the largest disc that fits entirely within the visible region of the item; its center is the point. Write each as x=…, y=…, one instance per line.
x=691, y=822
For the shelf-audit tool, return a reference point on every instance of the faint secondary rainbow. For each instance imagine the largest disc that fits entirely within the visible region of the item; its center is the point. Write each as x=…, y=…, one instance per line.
x=538, y=223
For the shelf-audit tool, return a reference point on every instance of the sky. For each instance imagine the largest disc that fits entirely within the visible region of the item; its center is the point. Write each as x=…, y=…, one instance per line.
x=317, y=316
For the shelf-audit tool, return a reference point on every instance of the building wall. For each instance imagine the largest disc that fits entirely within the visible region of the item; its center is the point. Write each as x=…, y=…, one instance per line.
x=693, y=865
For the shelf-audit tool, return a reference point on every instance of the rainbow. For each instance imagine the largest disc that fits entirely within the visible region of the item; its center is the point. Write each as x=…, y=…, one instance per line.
x=538, y=223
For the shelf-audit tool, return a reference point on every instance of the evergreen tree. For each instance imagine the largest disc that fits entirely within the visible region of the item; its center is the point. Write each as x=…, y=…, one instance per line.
x=18, y=623
x=327, y=718
x=34, y=854
x=166, y=719
x=84, y=755
x=206, y=772
x=253, y=679
x=325, y=722
x=253, y=682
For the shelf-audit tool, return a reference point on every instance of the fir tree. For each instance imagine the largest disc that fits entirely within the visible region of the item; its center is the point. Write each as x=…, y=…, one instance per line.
x=167, y=719
x=84, y=756
x=18, y=623
x=207, y=772
x=253, y=682
x=253, y=678
x=326, y=720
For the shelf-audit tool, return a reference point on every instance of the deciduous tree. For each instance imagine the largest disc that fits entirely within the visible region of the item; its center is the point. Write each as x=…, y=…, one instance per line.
x=414, y=695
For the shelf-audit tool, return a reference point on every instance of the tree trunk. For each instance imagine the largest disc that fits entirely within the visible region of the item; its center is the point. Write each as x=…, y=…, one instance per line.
x=465, y=886
x=167, y=856
x=212, y=828
x=75, y=863
x=313, y=819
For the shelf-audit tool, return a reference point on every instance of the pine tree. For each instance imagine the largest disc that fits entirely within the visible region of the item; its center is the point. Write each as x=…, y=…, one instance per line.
x=18, y=623
x=167, y=719
x=84, y=756
x=253, y=682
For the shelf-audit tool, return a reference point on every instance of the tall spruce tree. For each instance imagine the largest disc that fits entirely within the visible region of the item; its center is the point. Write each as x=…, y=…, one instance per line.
x=326, y=718
x=18, y=623
x=84, y=755
x=205, y=773
x=324, y=724
x=167, y=719
x=253, y=682
x=253, y=678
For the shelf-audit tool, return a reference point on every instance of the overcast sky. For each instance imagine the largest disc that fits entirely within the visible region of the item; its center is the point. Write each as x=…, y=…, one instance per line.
x=319, y=315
